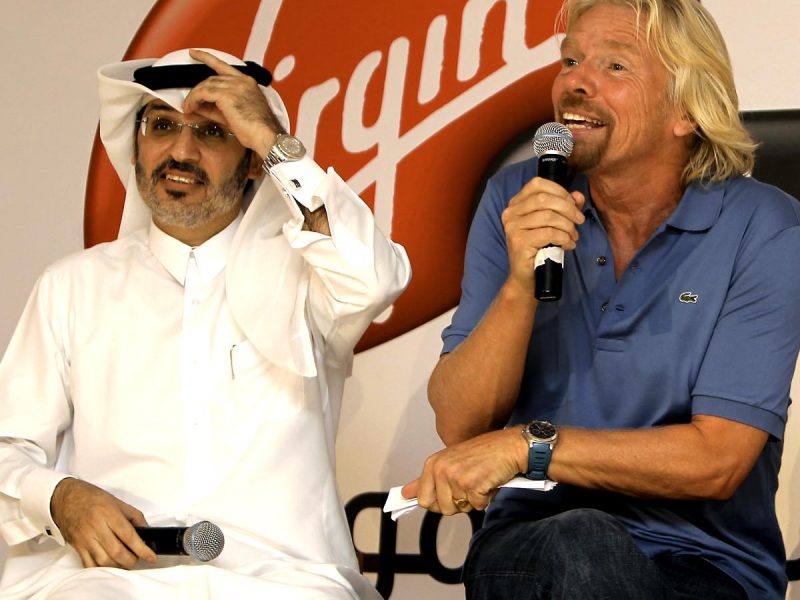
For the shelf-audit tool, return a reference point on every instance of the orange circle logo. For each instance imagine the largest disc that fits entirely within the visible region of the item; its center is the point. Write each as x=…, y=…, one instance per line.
x=410, y=106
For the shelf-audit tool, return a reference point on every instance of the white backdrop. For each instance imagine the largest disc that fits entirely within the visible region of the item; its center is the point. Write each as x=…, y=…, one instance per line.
x=49, y=51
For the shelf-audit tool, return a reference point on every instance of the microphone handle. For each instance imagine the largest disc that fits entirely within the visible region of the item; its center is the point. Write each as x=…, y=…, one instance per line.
x=549, y=264
x=164, y=540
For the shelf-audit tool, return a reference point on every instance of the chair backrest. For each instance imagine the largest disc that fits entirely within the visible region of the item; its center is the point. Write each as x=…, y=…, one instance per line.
x=778, y=154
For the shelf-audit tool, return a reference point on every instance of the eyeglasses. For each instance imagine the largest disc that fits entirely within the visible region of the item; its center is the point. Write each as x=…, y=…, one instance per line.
x=208, y=133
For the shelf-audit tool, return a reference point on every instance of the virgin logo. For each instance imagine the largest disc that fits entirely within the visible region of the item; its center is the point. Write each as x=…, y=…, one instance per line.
x=410, y=106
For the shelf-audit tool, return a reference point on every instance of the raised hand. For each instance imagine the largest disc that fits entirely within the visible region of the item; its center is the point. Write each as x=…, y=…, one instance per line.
x=541, y=213
x=234, y=100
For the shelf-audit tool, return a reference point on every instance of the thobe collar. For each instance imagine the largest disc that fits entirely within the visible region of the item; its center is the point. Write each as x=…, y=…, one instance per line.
x=211, y=256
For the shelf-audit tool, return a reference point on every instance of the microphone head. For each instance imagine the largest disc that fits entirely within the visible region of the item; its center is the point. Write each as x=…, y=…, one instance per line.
x=553, y=138
x=203, y=541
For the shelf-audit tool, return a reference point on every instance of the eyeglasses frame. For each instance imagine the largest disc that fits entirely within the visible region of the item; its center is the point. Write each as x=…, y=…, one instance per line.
x=196, y=128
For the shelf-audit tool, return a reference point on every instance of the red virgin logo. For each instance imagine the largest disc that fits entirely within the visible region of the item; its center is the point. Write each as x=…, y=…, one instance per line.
x=410, y=105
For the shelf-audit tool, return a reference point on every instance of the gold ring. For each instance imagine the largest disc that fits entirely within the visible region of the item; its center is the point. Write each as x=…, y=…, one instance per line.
x=461, y=502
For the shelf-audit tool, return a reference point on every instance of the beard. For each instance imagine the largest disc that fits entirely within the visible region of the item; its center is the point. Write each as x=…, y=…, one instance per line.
x=219, y=199
x=585, y=159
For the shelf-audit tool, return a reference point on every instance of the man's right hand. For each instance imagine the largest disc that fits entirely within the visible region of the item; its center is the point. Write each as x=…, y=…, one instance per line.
x=99, y=526
x=541, y=213
x=466, y=475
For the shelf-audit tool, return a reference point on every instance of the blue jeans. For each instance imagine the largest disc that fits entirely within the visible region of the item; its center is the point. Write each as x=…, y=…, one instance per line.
x=580, y=554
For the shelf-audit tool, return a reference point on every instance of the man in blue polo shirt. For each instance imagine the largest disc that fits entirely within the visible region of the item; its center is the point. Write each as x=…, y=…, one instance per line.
x=655, y=392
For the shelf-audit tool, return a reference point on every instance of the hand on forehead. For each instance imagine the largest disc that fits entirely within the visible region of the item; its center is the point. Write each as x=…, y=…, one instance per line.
x=235, y=100
x=203, y=99
x=219, y=66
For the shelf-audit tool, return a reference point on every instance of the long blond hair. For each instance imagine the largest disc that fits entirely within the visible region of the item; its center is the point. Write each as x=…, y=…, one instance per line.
x=684, y=35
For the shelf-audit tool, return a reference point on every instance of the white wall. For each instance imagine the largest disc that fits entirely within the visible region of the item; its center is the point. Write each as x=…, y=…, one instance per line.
x=49, y=50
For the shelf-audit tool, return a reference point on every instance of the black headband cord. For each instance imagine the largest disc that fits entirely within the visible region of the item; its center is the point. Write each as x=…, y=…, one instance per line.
x=188, y=76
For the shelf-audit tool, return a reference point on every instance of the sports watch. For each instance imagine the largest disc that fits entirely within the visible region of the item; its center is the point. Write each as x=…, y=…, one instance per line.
x=541, y=437
x=286, y=148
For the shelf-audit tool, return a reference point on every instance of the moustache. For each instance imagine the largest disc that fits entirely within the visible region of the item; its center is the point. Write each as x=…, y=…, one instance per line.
x=575, y=102
x=174, y=165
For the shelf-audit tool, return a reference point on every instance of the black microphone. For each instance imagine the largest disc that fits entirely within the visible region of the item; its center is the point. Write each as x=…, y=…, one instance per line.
x=203, y=541
x=553, y=144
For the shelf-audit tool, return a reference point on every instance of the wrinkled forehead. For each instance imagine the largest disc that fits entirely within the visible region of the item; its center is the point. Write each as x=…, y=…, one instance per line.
x=150, y=105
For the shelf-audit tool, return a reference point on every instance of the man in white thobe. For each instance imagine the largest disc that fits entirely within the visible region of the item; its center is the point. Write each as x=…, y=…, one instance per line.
x=193, y=369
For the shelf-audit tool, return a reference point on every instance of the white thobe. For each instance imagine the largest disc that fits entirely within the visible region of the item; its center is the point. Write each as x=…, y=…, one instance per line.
x=129, y=370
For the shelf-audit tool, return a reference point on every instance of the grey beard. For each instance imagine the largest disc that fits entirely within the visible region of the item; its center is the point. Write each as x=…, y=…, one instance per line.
x=219, y=199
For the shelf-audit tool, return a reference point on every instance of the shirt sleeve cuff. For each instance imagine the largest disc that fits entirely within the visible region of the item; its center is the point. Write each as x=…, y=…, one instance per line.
x=740, y=412
x=35, y=494
x=300, y=179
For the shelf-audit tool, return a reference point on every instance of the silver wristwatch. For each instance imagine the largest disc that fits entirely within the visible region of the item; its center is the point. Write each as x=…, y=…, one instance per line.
x=286, y=148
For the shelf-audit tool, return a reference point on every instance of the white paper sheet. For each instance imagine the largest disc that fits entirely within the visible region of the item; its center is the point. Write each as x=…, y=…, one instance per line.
x=399, y=506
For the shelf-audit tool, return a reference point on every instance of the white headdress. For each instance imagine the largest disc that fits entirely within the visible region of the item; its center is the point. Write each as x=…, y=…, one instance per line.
x=262, y=287
x=121, y=98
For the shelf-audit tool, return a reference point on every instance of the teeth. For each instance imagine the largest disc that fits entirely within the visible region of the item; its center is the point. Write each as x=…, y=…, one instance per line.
x=179, y=179
x=580, y=121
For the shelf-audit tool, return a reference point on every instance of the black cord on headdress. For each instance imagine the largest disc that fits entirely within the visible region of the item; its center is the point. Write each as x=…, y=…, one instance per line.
x=188, y=76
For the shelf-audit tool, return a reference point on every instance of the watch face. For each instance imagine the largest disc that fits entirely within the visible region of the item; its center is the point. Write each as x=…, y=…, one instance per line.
x=291, y=146
x=542, y=430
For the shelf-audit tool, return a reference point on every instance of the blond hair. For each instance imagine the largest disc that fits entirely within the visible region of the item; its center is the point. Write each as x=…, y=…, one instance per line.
x=683, y=34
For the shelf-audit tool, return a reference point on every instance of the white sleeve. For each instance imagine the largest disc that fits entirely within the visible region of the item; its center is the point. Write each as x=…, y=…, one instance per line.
x=300, y=179
x=284, y=282
x=356, y=272
x=34, y=412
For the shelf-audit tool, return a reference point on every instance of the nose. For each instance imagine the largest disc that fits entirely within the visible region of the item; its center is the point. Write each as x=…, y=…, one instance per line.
x=184, y=146
x=581, y=79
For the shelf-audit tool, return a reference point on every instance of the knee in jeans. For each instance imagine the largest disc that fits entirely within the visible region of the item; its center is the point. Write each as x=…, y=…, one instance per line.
x=574, y=536
x=575, y=525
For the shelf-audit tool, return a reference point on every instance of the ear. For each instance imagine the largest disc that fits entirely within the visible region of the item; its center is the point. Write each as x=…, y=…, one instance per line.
x=684, y=125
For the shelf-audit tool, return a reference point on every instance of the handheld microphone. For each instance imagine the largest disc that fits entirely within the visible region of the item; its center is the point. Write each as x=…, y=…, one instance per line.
x=553, y=144
x=203, y=541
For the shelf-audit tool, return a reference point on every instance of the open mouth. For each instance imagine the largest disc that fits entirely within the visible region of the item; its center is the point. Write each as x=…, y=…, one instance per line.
x=182, y=179
x=576, y=121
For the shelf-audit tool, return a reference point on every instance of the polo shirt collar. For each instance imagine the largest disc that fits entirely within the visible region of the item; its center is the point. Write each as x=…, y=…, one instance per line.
x=698, y=209
x=211, y=256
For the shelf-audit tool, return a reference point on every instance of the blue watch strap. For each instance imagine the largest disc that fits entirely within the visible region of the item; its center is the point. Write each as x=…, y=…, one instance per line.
x=539, y=454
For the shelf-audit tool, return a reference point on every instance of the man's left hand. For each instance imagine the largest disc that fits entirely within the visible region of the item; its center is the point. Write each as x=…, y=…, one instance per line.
x=234, y=100
x=466, y=475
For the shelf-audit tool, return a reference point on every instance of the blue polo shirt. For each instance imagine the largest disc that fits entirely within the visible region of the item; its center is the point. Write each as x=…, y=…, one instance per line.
x=704, y=320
